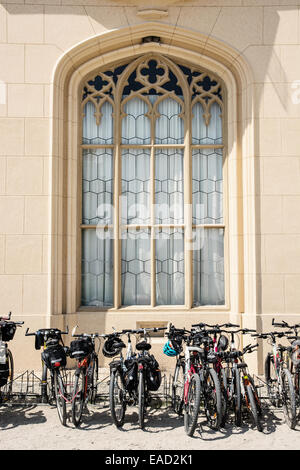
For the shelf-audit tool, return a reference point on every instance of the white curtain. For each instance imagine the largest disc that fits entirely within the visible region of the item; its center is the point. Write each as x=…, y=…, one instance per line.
x=169, y=246
x=135, y=202
x=207, y=186
x=97, y=257
x=211, y=134
x=97, y=268
x=136, y=279
x=208, y=267
x=101, y=134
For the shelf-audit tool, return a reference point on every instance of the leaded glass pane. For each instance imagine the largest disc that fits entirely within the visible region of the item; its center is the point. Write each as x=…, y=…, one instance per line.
x=207, y=125
x=97, y=186
x=136, y=267
x=207, y=187
x=169, y=202
x=136, y=127
x=169, y=128
x=135, y=186
x=97, y=268
x=169, y=266
x=208, y=267
x=97, y=132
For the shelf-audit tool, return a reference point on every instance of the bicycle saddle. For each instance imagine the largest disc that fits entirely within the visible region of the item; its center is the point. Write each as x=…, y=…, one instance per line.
x=143, y=346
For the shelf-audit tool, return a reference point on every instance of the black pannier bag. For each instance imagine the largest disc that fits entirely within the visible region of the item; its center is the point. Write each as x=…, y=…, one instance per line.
x=80, y=348
x=4, y=374
x=131, y=374
x=153, y=374
x=54, y=354
x=8, y=330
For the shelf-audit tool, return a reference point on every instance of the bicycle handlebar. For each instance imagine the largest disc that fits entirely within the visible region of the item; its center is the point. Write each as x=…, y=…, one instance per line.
x=47, y=330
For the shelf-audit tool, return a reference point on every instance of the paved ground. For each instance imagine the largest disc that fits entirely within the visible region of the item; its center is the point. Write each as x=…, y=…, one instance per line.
x=38, y=427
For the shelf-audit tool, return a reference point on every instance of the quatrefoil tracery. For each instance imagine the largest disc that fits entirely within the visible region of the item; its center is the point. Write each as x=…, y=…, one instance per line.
x=152, y=77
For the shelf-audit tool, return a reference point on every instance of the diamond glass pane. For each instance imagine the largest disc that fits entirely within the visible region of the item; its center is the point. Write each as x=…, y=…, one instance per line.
x=135, y=186
x=97, y=268
x=207, y=186
x=169, y=202
x=203, y=132
x=169, y=245
x=169, y=127
x=97, y=186
x=93, y=133
x=136, y=276
x=208, y=267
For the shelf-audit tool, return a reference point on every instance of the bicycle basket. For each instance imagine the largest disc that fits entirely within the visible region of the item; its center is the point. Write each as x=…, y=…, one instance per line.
x=153, y=376
x=4, y=374
x=81, y=348
x=8, y=330
x=54, y=356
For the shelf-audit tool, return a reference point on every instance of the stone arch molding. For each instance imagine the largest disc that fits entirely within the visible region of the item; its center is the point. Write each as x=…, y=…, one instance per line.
x=69, y=74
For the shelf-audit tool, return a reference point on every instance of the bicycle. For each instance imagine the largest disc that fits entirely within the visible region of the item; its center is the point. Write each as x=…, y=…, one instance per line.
x=132, y=378
x=278, y=378
x=54, y=357
x=174, y=348
x=86, y=373
x=7, y=333
x=201, y=383
x=218, y=345
x=242, y=391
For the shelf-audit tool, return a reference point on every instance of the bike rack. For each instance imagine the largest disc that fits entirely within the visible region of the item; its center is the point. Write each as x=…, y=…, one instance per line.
x=26, y=390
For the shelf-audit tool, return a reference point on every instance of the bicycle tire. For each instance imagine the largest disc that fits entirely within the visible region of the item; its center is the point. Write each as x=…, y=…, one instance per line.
x=191, y=418
x=10, y=372
x=59, y=396
x=44, y=385
x=117, y=417
x=78, y=397
x=237, y=399
x=178, y=397
x=141, y=399
x=224, y=396
x=93, y=380
x=256, y=396
x=252, y=408
x=290, y=411
x=270, y=377
x=213, y=392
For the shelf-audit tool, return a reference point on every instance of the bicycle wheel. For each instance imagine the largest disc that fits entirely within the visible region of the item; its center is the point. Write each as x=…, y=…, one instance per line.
x=191, y=408
x=10, y=379
x=252, y=408
x=271, y=379
x=213, y=400
x=237, y=397
x=141, y=399
x=59, y=390
x=288, y=399
x=178, y=388
x=78, y=397
x=117, y=397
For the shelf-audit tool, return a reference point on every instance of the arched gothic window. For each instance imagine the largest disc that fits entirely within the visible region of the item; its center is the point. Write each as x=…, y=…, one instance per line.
x=152, y=186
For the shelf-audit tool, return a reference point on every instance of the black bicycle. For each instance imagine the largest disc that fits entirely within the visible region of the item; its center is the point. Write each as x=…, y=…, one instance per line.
x=7, y=333
x=54, y=358
x=83, y=349
x=131, y=378
x=279, y=379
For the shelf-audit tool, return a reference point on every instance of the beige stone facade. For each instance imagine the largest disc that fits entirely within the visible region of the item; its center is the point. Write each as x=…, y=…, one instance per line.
x=47, y=49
